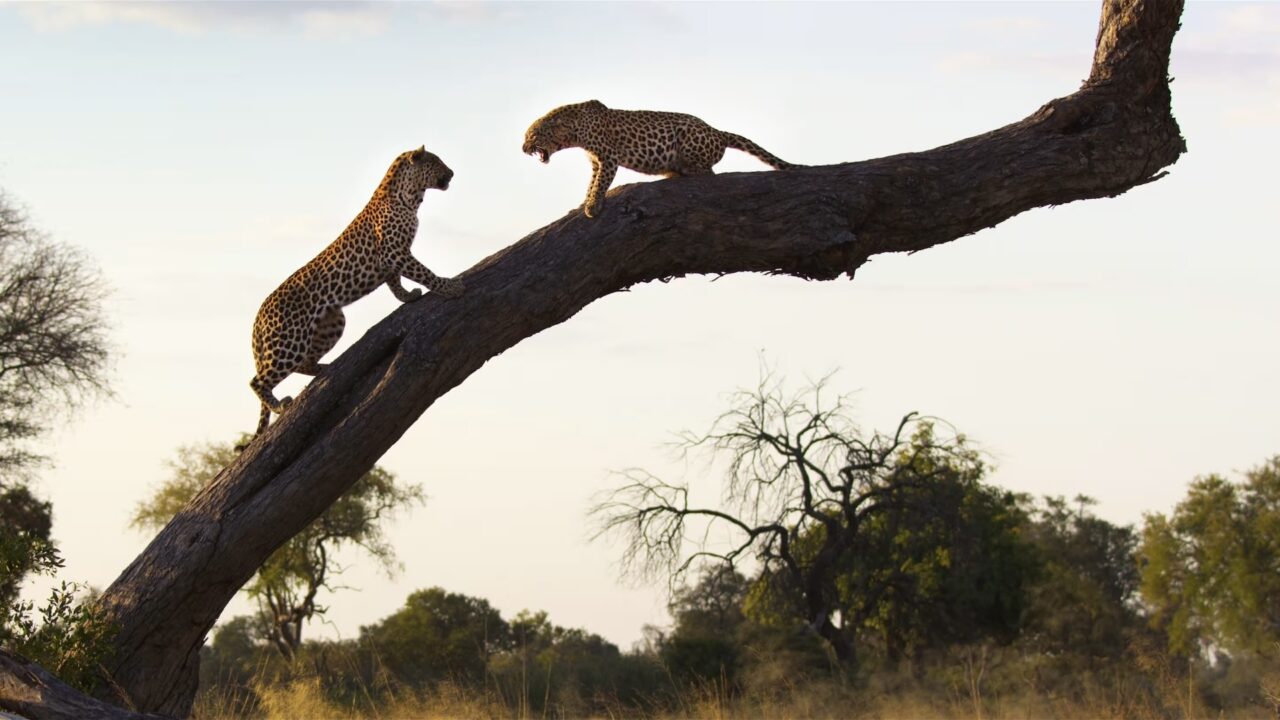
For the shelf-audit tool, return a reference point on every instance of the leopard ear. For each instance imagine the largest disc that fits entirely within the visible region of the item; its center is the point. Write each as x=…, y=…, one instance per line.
x=595, y=105
x=419, y=155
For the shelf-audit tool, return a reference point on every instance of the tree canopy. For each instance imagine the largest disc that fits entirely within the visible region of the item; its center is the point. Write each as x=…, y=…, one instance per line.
x=287, y=585
x=54, y=350
x=850, y=531
x=438, y=635
x=1211, y=568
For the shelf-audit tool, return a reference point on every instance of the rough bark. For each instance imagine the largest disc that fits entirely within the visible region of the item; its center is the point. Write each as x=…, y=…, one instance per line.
x=818, y=222
x=31, y=692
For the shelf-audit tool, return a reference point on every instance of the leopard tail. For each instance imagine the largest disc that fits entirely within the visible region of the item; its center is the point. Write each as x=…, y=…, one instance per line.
x=737, y=142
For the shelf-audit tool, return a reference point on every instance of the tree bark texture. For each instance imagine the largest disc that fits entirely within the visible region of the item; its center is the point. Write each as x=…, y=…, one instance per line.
x=30, y=691
x=816, y=222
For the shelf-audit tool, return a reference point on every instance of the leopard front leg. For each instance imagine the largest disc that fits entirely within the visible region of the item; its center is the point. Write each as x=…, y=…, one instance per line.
x=404, y=263
x=603, y=171
x=403, y=295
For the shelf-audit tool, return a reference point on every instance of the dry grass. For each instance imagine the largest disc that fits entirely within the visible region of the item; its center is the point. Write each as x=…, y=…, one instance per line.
x=304, y=700
x=1158, y=694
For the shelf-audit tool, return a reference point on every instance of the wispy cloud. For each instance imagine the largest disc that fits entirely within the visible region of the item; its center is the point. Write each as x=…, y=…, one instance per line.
x=319, y=18
x=325, y=19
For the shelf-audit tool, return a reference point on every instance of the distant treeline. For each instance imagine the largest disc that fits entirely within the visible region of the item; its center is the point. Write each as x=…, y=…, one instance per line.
x=994, y=604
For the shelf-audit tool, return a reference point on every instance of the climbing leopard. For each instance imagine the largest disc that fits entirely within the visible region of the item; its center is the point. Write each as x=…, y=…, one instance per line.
x=302, y=319
x=655, y=143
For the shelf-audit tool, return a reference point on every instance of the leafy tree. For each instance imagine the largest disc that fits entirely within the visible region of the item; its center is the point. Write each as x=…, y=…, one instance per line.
x=24, y=543
x=548, y=669
x=438, y=635
x=706, y=640
x=713, y=606
x=236, y=653
x=850, y=532
x=1082, y=602
x=287, y=585
x=943, y=561
x=53, y=344
x=66, y=635
x=1211, y=570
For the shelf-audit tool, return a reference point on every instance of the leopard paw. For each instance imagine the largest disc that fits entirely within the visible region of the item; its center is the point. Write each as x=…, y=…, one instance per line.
x=450, y=288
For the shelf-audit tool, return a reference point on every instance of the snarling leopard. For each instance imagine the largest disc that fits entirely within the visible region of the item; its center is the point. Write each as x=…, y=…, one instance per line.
x=655, y=143
x=302, y=319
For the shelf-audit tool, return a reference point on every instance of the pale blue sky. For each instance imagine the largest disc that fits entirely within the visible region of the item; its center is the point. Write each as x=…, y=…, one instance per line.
x=201, y=152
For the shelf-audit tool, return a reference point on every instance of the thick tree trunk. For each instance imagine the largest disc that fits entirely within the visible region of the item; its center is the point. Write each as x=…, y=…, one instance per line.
x=1115, y=133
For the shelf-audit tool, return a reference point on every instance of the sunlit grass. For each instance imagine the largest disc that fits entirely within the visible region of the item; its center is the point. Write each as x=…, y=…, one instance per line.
x=888, y=696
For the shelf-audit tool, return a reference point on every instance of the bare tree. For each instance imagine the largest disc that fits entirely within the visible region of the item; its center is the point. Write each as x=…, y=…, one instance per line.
x=53, y=344
x=1115, y=133
x=53, y=355
x=801, y=484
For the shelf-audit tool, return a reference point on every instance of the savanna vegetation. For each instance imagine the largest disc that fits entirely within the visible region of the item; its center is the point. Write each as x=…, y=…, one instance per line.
x=944, y=596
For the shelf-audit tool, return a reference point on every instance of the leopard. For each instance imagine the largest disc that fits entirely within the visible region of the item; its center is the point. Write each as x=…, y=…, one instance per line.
x=302, y=319
x=670, y=144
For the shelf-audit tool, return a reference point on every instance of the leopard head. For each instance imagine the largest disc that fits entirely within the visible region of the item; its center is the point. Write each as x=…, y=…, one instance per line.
x=414, y=172
x=559, y=129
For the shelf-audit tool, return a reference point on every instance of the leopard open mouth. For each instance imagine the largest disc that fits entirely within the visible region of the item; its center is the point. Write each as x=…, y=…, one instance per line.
x=542, y=154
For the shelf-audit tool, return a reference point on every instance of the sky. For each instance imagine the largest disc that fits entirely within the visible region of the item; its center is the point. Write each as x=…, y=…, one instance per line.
x=200, y=152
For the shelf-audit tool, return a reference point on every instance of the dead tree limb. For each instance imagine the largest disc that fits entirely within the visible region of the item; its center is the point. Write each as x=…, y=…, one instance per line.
x=1115, y=133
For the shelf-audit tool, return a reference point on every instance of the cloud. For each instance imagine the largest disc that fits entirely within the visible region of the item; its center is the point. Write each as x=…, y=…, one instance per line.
x=324, y=19
x=316, y=18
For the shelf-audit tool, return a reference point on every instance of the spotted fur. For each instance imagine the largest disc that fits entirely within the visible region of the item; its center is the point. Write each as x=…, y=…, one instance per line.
x=655, y=143
x=302, y=320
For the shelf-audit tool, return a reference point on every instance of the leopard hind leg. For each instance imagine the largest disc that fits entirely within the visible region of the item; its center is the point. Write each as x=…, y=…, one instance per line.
x=326, y=335
x=283, y=355
x=262, y=384
x=264, y=418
